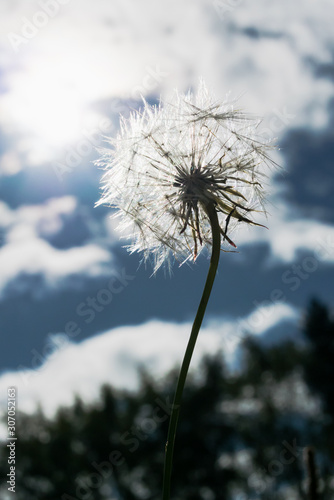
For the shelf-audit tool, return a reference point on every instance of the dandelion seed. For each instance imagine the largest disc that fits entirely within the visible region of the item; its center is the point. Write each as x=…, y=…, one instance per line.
x=170, y=162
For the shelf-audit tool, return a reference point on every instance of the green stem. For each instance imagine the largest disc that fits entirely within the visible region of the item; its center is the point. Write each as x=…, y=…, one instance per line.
x=190, y=349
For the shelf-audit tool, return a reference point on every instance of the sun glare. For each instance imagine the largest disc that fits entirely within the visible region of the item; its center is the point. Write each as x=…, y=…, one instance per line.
x=49, y=106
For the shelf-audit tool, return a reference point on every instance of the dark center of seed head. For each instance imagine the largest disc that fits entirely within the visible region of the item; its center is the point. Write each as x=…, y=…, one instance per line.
x=195, y=182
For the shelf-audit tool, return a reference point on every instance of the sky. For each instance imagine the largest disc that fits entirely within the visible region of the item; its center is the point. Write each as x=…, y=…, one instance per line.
x=77, y=310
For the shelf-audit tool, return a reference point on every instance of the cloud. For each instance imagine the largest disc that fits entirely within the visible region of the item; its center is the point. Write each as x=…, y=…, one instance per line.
x=287, y=237
x=29, y=262
x=266, y=317
x=63, y=222
x=56, y=268
x=114, y=356
x=10, y=163
x=42, y=220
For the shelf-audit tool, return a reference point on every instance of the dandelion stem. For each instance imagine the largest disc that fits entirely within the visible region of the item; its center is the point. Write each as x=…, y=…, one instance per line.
x=211, y=211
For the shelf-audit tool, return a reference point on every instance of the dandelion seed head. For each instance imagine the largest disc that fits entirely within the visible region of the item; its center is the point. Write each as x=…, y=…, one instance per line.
x=169, y=162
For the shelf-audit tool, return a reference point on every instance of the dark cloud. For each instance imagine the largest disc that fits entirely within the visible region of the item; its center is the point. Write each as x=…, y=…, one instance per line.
x=256, y=33
x=323, y=69
x=308, y=182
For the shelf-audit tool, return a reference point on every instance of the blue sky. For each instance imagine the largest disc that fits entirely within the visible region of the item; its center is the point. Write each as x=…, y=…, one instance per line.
x=75, y=309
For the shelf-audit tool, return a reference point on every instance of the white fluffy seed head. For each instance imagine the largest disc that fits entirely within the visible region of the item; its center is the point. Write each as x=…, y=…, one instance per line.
x=169, y=162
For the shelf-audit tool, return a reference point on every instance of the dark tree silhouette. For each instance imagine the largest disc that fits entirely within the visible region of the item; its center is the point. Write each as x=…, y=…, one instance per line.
x=319, y=369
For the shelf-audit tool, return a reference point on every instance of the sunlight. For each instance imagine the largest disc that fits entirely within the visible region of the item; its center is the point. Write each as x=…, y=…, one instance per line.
x=49, y=104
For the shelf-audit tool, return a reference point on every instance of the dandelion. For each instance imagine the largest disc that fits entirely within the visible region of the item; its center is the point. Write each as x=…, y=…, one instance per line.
x=171, y=163
x=182, y=176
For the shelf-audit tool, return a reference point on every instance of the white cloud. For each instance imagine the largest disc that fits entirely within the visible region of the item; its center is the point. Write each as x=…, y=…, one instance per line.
x=38, y=257
x=25, y=254
x=46, y=219
x=266, y=317
x=286, y=237
x=113, y=357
